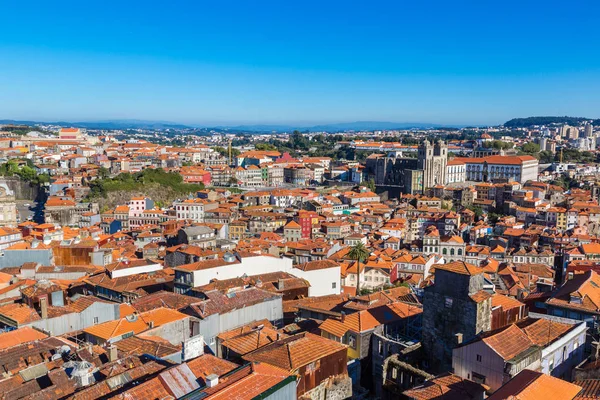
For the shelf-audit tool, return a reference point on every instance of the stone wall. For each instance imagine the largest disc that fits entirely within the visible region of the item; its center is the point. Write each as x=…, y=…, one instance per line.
x=333, y=388
x=23, y=190
x=447, y=311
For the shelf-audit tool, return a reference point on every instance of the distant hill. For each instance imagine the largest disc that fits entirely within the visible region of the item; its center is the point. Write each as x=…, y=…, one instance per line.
x=335, y=127
x=108, y=125
x=372, y=125
x=530, y=121
x=266, y=128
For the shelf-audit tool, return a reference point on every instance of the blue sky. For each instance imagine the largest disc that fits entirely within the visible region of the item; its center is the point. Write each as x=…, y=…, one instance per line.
x=230, y=62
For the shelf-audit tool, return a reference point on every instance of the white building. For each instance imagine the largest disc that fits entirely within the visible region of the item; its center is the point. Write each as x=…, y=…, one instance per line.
x=191, y=209
x=514, y=168
x=552, y=347
x=323, y=276
x=456, y=171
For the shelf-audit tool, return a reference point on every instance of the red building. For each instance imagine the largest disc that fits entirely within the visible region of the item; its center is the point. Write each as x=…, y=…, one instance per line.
x=306, y=220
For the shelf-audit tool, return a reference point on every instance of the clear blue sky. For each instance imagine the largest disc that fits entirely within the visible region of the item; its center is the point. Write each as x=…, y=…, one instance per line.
x=299, y=62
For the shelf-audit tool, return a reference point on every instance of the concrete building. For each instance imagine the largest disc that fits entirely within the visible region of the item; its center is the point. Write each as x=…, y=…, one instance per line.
x=456, y=171
x=323, y=276
x=494, y=358
x=218, y=312
x=201, y=236
x=190, y=209
x=512, y=168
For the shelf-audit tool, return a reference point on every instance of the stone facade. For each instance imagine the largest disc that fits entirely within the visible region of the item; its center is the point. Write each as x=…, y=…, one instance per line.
x=432, y=160
x=8, y=206
x=333, y=388
x=451, y=316
x=413, y=175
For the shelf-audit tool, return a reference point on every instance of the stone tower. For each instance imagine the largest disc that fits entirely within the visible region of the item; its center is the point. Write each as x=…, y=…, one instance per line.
x=432, y=159
x=456, y=308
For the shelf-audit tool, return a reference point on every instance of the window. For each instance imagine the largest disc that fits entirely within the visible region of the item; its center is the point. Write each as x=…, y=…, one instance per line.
x=448, y=302
x=478, y=378
x=551, y=365
x=352, y=341
x=394, y=373
x=380, y=348
x=95, y=320
x=478, y=357
x=333, y=285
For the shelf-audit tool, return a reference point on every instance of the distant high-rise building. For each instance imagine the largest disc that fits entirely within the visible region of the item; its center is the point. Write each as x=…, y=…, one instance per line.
x=588, y=130
x=569, y=132
x=543, y=142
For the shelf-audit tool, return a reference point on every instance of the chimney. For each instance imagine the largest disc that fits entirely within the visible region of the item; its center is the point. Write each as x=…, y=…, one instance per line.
x=459, y=338
x=343, y=316
x=44, y=307
x=281, y=284
x=212, y=380
x=112, y=353
x=150, y=324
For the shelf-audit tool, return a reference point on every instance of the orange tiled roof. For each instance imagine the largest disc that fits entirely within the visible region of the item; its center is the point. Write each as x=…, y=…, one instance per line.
x=509, y=342
x=20, y=313
x=460, y=267
x=533, y=385
x=20, y=336
x=295, y=351
x=137, y=323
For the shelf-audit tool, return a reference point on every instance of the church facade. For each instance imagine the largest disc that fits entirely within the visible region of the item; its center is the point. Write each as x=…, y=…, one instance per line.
x=412, y=175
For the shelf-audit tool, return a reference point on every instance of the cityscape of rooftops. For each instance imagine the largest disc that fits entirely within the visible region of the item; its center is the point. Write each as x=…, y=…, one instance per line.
x=311, y=201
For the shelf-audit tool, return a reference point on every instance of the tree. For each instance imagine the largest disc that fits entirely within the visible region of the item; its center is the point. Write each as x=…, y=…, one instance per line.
x=546, y=157
x=530, y=148
x=103, y=173
x=371, y=185
x=358, y=253
x=265, y=147
x=477, y=210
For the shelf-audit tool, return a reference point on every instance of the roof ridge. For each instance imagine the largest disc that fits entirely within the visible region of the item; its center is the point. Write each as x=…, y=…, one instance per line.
x=287, y=346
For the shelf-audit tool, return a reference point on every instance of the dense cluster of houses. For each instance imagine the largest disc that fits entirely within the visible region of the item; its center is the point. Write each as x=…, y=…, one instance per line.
x=487, y=289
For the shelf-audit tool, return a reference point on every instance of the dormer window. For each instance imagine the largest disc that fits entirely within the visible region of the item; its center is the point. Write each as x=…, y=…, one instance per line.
x=576, y=299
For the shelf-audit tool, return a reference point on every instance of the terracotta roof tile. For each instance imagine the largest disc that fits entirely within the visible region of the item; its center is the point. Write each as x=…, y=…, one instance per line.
x=295, y=351
x=532, y=385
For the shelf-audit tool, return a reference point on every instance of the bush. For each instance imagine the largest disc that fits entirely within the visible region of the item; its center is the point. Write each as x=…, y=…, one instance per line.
x=136, y=182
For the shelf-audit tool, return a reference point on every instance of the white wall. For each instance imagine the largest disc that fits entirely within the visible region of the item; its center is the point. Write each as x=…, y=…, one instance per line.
x=320, y=280
x=555, y=350
x=135, y=270
x=464, y=362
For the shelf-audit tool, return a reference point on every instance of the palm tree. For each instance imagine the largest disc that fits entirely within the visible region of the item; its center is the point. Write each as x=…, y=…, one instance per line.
x=359, y=253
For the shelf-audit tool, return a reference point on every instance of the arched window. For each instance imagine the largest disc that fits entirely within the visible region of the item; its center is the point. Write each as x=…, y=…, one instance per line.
x=444, y=251
x=459, y=252
x=451, y=252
